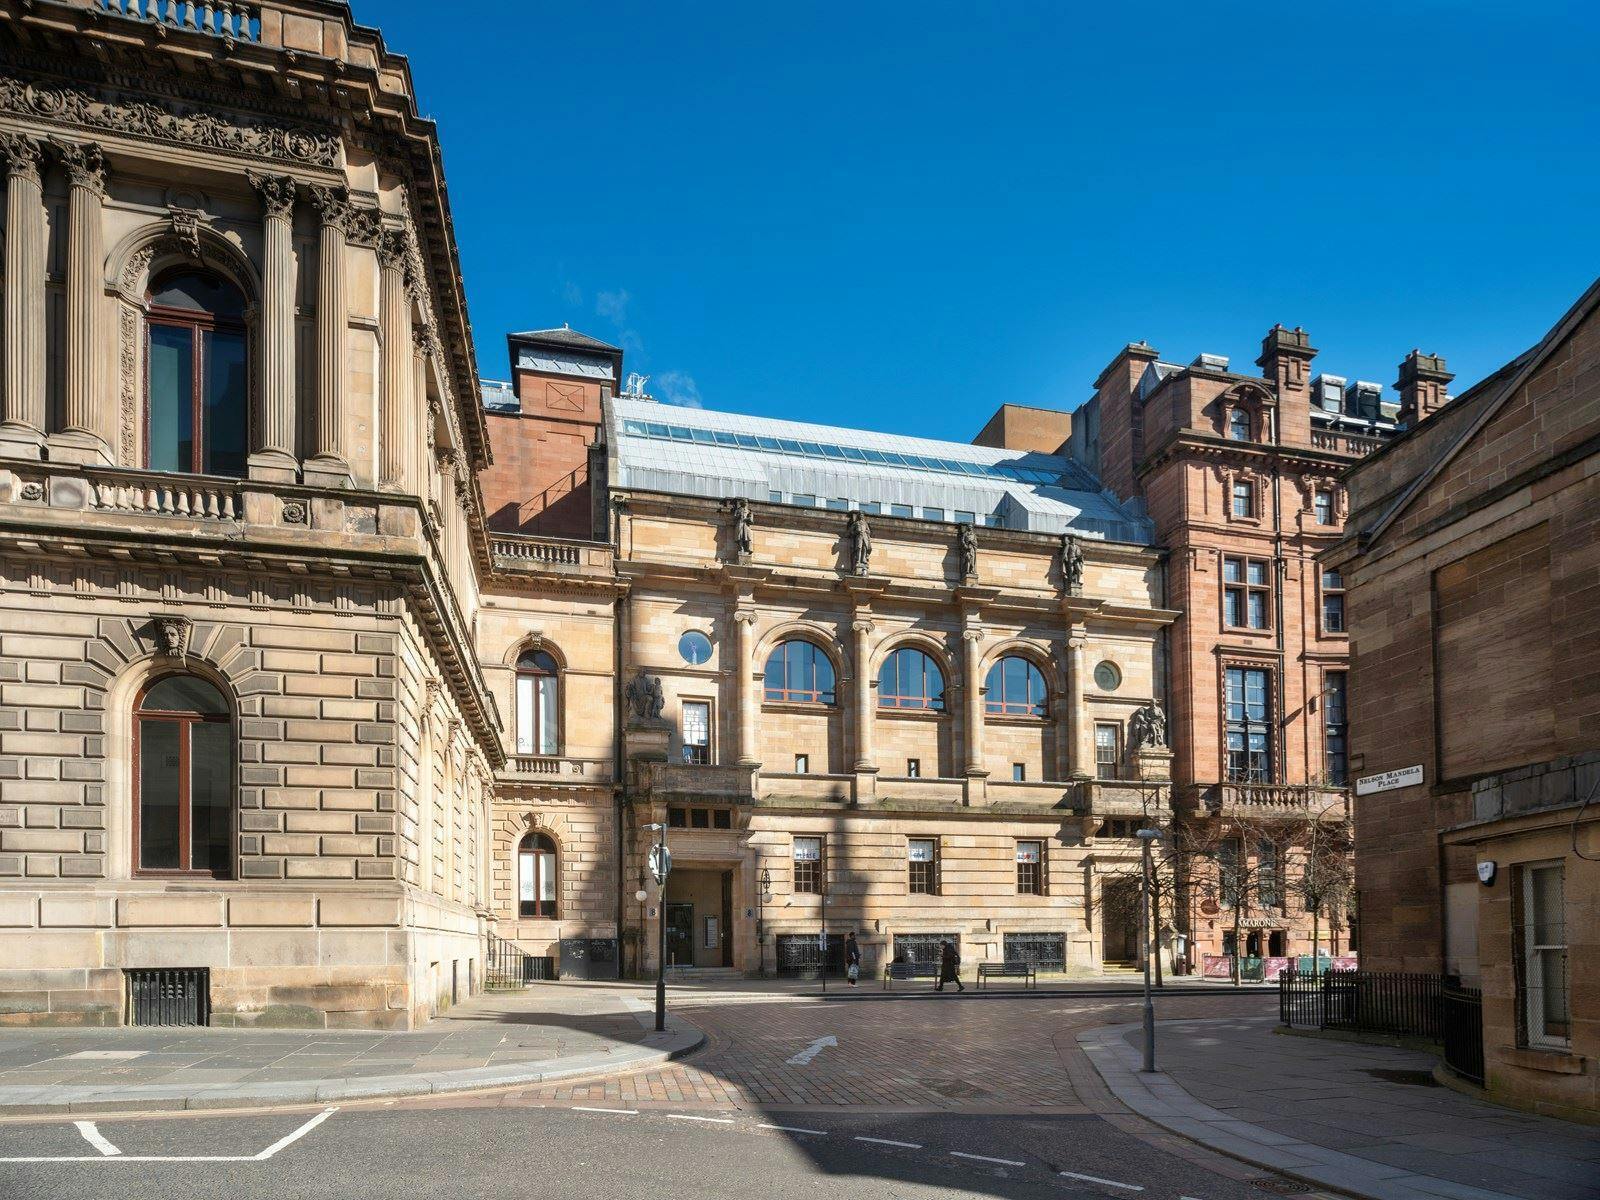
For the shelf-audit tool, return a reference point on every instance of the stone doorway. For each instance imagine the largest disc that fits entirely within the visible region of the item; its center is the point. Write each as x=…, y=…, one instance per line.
x=1119, y=921
x=699, y=907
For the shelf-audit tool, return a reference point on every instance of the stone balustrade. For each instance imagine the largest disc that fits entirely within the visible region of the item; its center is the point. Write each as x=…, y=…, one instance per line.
x=219, y=18
x=531, y=768
x=1353, y=444
x=521, y=552
x=1267, y=800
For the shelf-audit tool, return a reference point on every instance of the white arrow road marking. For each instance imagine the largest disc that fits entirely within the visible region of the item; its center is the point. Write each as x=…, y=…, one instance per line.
x=95, y=1139
x=811, y=1051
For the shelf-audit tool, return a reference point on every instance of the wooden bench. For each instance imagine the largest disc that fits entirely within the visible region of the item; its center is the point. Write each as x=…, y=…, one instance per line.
x=1008, y=970
x=909, y=970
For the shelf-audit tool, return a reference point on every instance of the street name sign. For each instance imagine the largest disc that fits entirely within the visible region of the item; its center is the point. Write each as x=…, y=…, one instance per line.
x=1388, y=781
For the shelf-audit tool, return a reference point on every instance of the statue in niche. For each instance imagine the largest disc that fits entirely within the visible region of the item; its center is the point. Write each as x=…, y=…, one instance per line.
x=741, y=527
x=1072, y=564
x=967, y=543
x=1150, y=727
x=860, y=543
x=644, y=697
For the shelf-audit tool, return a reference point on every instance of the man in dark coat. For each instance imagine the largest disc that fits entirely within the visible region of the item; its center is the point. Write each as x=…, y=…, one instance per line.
x=949, y=968
x=852, y=958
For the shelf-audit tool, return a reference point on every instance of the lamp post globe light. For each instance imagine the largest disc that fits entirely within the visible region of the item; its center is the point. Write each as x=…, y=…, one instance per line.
x=660, y=867
x=1147, y=838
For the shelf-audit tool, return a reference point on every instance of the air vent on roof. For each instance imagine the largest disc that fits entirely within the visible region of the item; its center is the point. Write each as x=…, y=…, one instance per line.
x=1211, y=362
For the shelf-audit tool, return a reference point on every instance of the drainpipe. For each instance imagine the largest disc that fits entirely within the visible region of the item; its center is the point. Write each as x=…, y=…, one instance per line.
x=619, y=786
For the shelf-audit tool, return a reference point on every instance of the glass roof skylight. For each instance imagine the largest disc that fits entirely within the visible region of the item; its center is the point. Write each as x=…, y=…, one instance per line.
x=810, y=449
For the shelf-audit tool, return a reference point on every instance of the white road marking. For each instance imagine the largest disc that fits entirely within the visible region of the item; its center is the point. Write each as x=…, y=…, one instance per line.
x=1127, y=1187
x=794, y=1129
x=811, y=1051
x=290, y=1139
x=707, y=1120
x=1004, y=1162
x=890, y=1142
x=621, y=1112
x=116, y=1156
x=94, y=1138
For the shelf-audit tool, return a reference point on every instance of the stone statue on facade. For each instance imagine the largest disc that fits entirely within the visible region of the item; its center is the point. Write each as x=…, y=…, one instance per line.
x=741, y=527
x=644, y=697
x=967, y=543
x=1072, y=564
x=860, y=543
x=172, y=635
x=1150, y=727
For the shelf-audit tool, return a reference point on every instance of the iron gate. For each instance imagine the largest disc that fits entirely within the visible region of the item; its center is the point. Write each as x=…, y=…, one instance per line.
x=1461, y=1025
x=923, y=947
x=799, y=955
x=169, y=996
x=1044, y=951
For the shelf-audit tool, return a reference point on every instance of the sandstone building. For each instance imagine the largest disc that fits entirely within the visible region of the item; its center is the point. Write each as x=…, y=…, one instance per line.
x=243, y=730
x=1471, y=556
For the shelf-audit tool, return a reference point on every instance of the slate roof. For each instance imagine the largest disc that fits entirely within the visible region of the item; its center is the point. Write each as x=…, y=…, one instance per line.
x=565, y=336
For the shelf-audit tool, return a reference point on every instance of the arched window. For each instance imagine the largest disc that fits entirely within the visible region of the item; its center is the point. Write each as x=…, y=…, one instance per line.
x=197, y=393
x=538, y=704
x=536, y=876
x=182, y=779
x=1239, y=425
x=799, y=672
x=910, y=679
x=1016, y=688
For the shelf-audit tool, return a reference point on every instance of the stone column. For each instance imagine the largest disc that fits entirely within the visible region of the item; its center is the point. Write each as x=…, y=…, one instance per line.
x=1080, y=732
x=971, y=665
x=22, y=417
x=394, y=327
x=422, y=435
x=328, y=465
x=744, y=620
x=80, y=439
x=865, y=714
x=275, y=456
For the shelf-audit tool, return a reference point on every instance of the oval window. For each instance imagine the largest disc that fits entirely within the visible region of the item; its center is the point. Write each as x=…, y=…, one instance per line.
x=1107, y=678
x=695, y=647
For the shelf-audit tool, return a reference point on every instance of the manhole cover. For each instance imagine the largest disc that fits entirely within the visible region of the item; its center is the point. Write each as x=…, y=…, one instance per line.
x=1281, y=1187
x=1412, y=1078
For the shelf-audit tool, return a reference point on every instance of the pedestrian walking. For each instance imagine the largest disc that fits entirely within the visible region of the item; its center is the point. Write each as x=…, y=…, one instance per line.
x=949, y=968
x=852, y=958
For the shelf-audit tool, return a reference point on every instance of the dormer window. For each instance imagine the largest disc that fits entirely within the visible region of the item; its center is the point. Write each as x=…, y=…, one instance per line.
x=1239, y=425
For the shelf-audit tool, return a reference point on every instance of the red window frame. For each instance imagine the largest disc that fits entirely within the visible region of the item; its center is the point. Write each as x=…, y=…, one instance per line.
x=197, y=322
x=185, y=798
x=534, y=844
x=927, y=700
x=1000, y=703
x=816, y=694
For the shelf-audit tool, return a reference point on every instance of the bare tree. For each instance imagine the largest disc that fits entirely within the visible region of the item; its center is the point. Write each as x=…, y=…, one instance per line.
x=1325, y=884
x=1239, y=861
x=1119, y=897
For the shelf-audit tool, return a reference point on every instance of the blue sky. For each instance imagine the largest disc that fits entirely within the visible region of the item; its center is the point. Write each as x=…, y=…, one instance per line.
x=899, y=216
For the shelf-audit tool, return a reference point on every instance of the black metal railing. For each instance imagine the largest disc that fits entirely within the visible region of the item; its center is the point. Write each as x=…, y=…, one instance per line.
x=1392, y=1002
x=1461, y=1028
x=169, y=996
x=507, y=966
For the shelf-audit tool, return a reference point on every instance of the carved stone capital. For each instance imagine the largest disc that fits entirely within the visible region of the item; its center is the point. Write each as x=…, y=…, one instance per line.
x=394, y=249
x=861, y=625
x=745, y=616
x=277, y=192
x=332, y=205
x=22, y=154
x=85, y=164
x=362, y=226
x=422, y=338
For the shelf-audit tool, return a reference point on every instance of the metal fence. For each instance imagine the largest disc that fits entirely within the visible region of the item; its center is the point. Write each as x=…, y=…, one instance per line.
x=1461, y=1021
x=507, y=966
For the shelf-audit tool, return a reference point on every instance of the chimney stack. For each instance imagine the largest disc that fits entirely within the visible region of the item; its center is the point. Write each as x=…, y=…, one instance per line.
x=1285, y=363
x=1421, y=385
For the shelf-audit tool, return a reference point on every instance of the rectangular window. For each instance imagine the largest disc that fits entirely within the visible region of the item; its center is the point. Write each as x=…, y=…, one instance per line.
x=1228, y=872
x=922, y=856
x=804, y=500
x=1246, y=593
x=1019, y=772
x=1544, y=1019
x=722, y=818
x=838, y=505
x=1336, y=727
x=871, y=507
x=900, y=510
x=1107, y=751
x=697, y=731
x=1332, y=602
x=1269, y=865
x=1030, y=868
x=1323, y=503
x=913, y=768
x=1244, y=499
x=965, y=518
x=808, y=865
x=1247, y=701
x=677, y=818
x=775, y=497
x=699, y=818
x=802, y=764
x=933, y=514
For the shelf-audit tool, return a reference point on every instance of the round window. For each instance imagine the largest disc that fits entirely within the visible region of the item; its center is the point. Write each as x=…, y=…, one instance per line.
x=1107, y=678
x=695, y=647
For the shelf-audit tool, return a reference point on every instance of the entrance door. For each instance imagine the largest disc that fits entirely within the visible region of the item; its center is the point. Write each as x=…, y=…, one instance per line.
x=680, y=935
x=1119, y=918
x=727, y=918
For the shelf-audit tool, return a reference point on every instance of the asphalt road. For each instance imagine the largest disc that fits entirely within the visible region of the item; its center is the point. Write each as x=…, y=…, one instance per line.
x=521, y=1151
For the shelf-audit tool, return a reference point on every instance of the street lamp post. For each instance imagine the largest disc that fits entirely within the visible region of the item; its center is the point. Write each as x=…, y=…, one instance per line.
x=1146, y=838
x=660, y=865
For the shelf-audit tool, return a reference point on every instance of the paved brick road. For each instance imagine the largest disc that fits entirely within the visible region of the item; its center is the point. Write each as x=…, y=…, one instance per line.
x=956, y=1053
